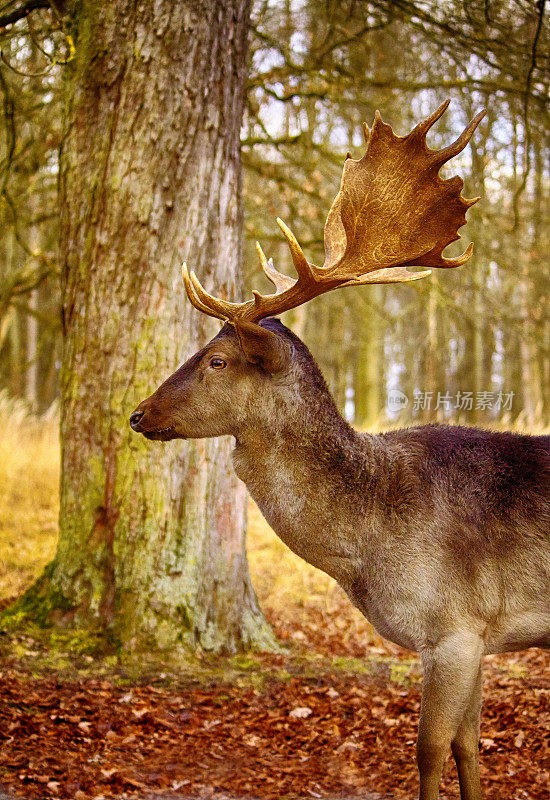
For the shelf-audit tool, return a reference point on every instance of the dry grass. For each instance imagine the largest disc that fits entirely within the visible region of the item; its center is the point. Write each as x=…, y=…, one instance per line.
x=29, y=505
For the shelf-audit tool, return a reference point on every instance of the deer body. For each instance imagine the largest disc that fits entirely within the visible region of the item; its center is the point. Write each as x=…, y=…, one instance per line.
x=406, y=564
x=440, y=536
x=426, y=529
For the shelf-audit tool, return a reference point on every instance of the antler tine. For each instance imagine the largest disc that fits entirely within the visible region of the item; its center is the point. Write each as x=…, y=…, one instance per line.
x=459, y=144
x=263, y=259
x=278, y=279
x=391, y=275
x=303, y=267
x=423, y=127
x=459, y=260
x=192, y=295
x=222, y=309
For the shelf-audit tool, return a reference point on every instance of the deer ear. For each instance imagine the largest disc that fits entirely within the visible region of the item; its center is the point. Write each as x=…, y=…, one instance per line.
x=262, y=347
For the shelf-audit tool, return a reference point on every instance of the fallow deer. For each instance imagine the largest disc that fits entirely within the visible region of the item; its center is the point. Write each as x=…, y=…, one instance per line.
x=439, y=535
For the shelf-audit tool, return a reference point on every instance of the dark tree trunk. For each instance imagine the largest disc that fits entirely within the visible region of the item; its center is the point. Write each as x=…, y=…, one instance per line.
x=151, y=547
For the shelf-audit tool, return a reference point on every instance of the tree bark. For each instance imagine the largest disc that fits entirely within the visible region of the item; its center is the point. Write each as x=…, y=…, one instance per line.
x=368, y=386
x=151, y=547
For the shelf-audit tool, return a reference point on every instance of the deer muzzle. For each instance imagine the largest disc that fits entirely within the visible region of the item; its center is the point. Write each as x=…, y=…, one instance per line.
x=148, y=421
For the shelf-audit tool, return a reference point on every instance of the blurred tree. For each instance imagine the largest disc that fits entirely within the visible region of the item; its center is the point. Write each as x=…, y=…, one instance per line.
x=341, y=61
x=151, y=544
x=318, y=69
x=31, y=131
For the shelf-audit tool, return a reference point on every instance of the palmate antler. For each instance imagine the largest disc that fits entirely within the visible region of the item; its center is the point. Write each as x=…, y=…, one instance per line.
x=393, y=211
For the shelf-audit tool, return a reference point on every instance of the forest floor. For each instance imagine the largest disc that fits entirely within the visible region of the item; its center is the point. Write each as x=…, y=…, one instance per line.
x=333, y=716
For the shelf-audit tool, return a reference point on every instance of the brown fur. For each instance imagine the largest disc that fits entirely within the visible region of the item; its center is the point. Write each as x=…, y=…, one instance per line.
x=439, y=535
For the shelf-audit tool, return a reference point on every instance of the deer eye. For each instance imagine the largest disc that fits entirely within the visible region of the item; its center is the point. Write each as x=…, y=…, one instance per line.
x=217, y=363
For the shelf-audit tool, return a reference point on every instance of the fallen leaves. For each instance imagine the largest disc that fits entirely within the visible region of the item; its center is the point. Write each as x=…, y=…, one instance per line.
x=301, y=737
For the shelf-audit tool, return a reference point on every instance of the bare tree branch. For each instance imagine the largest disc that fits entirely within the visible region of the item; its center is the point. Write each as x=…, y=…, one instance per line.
x=540, y=5
x=20, y=11
x=9, y=132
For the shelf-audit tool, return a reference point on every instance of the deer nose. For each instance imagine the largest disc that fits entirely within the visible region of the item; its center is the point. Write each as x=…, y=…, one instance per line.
x=135, y=418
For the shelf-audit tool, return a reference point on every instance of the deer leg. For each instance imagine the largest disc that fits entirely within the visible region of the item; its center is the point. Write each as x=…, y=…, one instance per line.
x=450, y=673
x=465, y=746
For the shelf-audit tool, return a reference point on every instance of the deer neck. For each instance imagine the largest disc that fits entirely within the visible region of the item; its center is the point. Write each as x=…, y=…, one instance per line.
x=302, y=469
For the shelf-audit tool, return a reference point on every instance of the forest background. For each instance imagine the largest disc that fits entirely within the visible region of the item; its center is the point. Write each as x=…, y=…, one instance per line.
x=469, y=345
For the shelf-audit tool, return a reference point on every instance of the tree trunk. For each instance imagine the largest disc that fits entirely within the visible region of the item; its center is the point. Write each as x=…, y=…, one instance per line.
x=368, y=403
x=151, y=547
x=31, y=373
x=429, y=412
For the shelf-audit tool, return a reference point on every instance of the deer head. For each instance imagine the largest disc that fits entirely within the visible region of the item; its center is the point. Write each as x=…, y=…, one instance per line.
x=220, y=388
x=393, y=211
